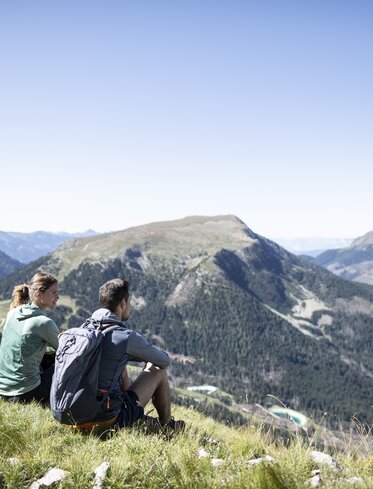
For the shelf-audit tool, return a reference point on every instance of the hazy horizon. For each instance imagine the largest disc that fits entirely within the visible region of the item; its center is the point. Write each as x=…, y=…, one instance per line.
x=295, y=243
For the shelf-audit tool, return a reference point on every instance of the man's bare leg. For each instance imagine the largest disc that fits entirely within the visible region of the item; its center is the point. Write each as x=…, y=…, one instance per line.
x=152, y=383
x=125, y=380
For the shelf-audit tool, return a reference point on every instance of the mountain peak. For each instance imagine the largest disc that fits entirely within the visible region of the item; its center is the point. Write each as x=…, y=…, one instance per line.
x=365, y=240
x=190, y=236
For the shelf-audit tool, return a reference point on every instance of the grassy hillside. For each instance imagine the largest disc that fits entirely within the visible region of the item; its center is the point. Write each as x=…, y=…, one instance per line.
x=31, y=443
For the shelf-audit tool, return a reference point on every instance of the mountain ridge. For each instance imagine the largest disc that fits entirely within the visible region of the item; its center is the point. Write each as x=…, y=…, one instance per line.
x=352, y=263
x=141, y=237
x=365, y=240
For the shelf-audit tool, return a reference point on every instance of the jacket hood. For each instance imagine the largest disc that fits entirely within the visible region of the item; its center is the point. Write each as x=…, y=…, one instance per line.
x=27, y=311
x=102, y=314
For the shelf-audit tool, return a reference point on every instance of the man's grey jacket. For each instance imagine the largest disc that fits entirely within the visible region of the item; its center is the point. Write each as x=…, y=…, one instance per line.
x=119, y=347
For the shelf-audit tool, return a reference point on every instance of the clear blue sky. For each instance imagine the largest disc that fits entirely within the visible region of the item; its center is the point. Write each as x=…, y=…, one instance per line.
x=120, y=113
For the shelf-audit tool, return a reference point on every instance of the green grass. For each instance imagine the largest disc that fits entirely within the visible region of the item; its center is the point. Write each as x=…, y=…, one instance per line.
x=147, y=460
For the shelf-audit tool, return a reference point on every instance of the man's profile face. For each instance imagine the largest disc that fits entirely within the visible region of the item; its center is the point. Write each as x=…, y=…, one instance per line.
x=127, y=310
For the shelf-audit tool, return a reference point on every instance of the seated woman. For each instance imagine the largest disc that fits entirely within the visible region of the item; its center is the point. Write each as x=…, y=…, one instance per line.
x=27, y=332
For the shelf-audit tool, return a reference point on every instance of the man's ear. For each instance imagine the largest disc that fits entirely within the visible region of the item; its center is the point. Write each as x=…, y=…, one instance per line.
x=123, y=303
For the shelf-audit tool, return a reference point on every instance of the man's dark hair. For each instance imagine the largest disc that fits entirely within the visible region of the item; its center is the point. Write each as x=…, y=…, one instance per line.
x=112, y=292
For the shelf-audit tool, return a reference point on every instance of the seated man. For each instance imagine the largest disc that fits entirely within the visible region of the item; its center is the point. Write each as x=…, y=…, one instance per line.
x=122, y=345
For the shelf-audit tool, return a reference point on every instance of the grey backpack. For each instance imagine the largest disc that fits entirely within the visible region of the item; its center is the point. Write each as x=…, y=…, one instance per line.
x=74, y=396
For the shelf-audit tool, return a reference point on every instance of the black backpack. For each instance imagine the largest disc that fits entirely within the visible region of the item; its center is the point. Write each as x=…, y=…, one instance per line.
x=74, y=396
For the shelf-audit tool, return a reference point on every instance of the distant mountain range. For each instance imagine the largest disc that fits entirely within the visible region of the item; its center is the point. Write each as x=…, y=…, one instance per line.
x=233, y=308
x=312, y=246
x=352, y=263
x=26, y=247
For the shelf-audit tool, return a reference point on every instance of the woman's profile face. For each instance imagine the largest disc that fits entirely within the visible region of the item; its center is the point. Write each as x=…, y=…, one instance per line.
x=49, y=298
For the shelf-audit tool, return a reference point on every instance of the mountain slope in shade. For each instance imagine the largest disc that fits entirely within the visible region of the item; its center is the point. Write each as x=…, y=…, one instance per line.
x=233, y=308
x=8, y=264
x=352, y=263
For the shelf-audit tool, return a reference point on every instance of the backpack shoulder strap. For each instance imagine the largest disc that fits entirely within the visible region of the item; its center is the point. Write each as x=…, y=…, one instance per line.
x=108, y=324
x=110, y=328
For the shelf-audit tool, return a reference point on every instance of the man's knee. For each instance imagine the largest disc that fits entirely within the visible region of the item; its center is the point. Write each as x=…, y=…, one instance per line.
x=151, y=368
x=147, y=383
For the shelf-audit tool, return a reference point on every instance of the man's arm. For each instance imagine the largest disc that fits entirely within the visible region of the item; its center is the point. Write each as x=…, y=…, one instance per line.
x=142, y=350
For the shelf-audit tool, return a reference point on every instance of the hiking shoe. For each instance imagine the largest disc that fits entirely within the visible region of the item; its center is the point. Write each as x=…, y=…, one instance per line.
x=174, y=426
x=150, y=421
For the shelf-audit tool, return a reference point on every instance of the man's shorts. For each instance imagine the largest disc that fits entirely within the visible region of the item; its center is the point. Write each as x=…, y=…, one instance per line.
x=131, y=410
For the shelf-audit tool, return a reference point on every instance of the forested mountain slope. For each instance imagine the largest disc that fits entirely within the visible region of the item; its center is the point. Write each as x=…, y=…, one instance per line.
x=234, y=309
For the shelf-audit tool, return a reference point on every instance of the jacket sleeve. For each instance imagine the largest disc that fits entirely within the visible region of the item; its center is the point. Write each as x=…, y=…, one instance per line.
x=140, y=349
x=49, y=332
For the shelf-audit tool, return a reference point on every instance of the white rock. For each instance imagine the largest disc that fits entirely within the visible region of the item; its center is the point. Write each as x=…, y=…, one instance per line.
x=217, y=461
x=100, y=475
x=13, y=460
x=355, y=480
x=315, y=481
x=202, y=453
x=260, y=460
x=52, y=476
x=325, y=459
